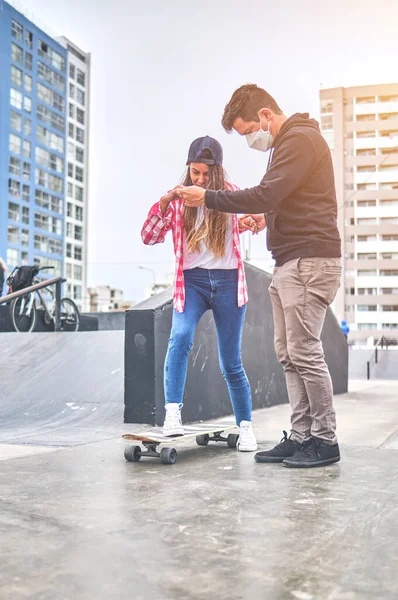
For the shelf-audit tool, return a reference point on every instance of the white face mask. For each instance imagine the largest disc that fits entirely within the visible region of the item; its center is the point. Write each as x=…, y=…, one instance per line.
x=260, y=140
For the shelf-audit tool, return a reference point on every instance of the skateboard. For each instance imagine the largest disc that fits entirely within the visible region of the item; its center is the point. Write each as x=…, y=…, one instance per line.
x=152, y=438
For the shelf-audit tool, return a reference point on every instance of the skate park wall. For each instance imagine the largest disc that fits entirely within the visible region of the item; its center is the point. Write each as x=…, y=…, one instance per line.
x=206, y=397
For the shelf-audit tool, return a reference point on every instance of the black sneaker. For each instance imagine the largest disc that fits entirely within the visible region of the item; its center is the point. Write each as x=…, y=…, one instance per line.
x=285, y=448
x=314, y=453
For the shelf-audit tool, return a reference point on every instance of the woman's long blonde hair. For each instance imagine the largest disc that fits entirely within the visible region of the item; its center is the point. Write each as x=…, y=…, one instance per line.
x=212, y=230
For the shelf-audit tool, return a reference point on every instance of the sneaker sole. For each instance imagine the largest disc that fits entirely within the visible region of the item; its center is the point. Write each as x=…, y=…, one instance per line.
x=246, y=448
x=270, y=459
x=319, y=463
x=176, y=433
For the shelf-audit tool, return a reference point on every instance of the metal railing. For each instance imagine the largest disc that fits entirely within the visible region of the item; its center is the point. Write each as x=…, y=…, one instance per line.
x=39, y=286
x=383, y=341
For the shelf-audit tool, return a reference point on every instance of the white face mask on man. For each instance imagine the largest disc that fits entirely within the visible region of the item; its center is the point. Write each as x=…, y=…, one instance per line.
x=260, y=140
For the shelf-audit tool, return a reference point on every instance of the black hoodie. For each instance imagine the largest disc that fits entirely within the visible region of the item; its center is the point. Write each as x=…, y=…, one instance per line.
x=297, y=195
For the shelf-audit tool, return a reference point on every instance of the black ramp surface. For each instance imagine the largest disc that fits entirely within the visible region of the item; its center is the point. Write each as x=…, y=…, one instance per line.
x=61, y=388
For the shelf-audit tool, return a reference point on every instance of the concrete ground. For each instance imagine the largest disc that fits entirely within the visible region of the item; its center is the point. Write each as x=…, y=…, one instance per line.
x=79, y=522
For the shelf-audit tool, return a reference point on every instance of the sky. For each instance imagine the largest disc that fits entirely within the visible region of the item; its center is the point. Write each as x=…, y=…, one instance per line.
x=161, y=75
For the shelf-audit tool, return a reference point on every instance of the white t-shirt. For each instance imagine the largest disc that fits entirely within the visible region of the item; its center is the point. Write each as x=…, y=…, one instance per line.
x=205, y=258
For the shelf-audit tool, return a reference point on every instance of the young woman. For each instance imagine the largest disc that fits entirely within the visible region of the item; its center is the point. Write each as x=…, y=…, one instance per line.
x=209, y=275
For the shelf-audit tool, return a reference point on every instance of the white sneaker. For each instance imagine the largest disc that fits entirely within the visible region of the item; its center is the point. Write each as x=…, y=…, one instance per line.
x=247, y=440
x=172, y=423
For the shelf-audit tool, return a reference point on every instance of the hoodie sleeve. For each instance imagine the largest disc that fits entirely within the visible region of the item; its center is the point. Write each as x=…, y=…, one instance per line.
x=293, y=161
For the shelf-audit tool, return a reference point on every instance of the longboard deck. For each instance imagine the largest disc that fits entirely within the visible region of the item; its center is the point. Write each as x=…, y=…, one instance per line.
x=156, y=434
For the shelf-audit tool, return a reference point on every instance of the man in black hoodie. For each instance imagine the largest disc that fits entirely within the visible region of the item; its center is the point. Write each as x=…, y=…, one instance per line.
x=296, y=199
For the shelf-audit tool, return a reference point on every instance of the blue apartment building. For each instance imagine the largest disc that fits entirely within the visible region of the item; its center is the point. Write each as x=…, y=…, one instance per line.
x=33, y=124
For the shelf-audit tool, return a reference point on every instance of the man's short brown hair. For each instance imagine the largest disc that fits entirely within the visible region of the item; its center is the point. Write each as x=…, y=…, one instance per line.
x=245, y=103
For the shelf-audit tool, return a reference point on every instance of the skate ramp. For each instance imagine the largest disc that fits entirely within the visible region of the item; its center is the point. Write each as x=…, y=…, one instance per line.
x=61, y=388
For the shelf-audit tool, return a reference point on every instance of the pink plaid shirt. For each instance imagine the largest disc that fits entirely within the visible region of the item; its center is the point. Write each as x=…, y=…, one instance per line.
x=155, y=229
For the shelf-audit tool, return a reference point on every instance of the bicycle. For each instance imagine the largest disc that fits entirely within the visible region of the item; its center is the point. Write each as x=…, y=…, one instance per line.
x=24, y=311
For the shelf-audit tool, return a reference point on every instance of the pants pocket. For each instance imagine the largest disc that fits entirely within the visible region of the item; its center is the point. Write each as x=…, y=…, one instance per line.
x=305, y=267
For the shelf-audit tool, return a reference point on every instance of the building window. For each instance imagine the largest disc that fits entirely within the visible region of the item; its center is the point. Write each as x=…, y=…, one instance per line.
x=47, y=74
x=390, y=291
x=326, y=106
x=68, y=270
x=366, y=169
x=367, y=255
x=15, y=98
x=29, y=39
x=80, y=116
x=71, y=151
x=70, y=190
x=27, y=83
x=79, y=174
x=69, y=250
x=79, y=193
x=15, y=121
x=47, y=116
x=71, y=130
x=47, y=244
x=366, y=291
x=365, y=100
x=26, y=170
x=389, y=307
x=78, y=254
x=48, y=180
x=14, y=188
x=14, y=166
x=367, y=238
x=370, y=117
x=80, y=135
x=25, y=237
x=80, y=155
x=70, y=170
x=81, y=80
x=25, y=192
x=48, y=201
x=69, y=233
x=27, y=148
x=78, y=272
x=367, y=221
x=28, y=61
x=50, y=139
x=71, y=111
x=389, y=255
x=326, y=122
x=366, y=152
x=17, y=31
x=16, y=54
x=13, y=235
x=367, y=326
x=25, y=215
x=69, y=210
x=27, y=104
x=72, y=91
x=392, y=202
x=72, y=71
x=388, y=116
x=80, y=97
x=389, y=220
x=27, y=127
x=12, y=257
x=77, y=292
x=367, y=273
x=367, y=307
x=52, y=56
x=363, y=203
x=78, y=213
x=388, y=272
x=16, y=76
x=49, y=160
x=48, y=223
x=13, y=211
x=50, y=97
x=389, y=237
x=78, y=233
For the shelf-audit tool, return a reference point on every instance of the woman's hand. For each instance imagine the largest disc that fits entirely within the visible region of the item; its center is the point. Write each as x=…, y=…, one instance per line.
x=253, y=223
x=192, y=195
x=167, y=198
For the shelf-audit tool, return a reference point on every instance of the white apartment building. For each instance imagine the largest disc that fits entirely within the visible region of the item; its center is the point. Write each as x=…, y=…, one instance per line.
x=361, y=127
x=77, y=158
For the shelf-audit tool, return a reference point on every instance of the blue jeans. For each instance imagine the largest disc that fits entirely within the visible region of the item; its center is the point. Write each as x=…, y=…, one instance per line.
x=216, y=290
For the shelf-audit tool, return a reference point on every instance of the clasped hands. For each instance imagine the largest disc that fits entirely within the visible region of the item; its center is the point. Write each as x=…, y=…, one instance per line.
x=195, y=196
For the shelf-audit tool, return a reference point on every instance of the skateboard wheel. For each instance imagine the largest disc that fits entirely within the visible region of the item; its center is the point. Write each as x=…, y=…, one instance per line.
x=202, y=440
x=168, y=456
x=232, y=440
x=132, y=453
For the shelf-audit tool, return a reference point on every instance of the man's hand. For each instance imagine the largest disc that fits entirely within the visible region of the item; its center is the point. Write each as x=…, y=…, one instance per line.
x=253, y=223
x=192, y=195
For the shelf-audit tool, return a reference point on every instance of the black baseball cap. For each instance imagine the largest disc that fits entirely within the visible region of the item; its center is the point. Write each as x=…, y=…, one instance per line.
x=205, y=150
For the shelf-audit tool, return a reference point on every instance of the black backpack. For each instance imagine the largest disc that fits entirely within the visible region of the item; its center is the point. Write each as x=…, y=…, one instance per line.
x=21, y=277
